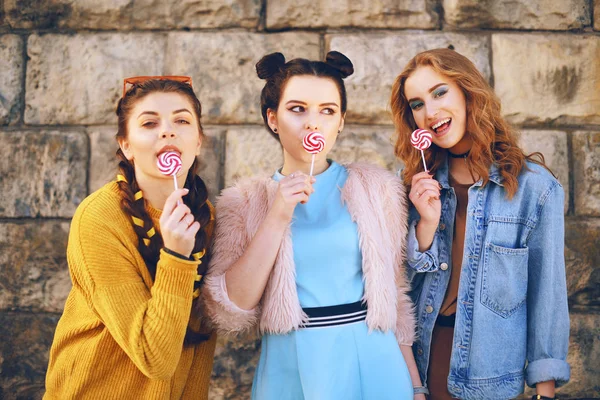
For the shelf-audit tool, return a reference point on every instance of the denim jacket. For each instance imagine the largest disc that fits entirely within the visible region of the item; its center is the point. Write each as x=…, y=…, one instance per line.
x=512, y=320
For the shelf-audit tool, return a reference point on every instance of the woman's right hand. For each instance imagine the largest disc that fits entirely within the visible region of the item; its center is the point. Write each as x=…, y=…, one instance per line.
x=177, y=224
x=293, y=189
x=425, y=195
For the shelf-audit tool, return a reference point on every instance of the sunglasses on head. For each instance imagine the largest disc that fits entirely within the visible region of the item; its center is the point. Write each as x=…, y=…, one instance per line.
x=135, y=80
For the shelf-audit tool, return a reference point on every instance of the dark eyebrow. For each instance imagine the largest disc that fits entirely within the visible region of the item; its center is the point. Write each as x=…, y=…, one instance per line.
x=303, y=103
x=148, y=112
x=156, y=114
x=182, y=110
x=430, y=90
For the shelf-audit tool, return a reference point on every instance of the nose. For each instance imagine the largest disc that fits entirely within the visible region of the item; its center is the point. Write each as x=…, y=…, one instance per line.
x=168, y=131
x=431, y=112
x=311, y=125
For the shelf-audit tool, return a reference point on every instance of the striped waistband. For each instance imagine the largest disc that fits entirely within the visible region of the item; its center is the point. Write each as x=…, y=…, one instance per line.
x=321, y=317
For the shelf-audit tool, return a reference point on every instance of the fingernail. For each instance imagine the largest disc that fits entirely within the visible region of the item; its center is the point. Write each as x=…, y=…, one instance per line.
x=186, y=190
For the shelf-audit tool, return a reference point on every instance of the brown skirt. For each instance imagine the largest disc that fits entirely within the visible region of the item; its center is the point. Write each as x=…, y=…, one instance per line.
x=439, y=362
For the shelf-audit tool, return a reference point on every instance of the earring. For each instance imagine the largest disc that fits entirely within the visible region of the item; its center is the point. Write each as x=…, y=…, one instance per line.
x=339, y=131
x=275, y=130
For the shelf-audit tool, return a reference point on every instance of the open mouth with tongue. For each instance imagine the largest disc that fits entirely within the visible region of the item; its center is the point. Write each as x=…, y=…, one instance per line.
x=441, y=127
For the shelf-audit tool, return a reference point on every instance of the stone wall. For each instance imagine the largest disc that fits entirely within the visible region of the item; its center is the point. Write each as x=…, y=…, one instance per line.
x=62, y=64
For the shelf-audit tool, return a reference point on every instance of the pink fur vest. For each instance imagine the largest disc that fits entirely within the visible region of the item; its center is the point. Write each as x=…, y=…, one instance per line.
x=376, y=201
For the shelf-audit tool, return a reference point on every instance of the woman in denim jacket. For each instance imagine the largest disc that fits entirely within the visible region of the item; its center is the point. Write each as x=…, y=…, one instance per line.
x=486, y=239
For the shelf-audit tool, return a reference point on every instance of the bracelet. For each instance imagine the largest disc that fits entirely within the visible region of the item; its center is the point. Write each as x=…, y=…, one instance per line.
x=540, y=397
x=420, y=390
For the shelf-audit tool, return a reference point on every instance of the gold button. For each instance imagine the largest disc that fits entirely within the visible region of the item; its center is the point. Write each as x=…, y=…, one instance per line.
x=443, y=266
x=442, y=226
x=429, y=309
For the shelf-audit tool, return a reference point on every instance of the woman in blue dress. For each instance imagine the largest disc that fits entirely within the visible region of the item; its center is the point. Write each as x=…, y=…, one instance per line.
x=316, y=262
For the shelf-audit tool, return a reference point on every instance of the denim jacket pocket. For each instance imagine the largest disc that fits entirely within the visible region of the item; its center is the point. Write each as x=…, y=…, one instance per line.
x=504, y=283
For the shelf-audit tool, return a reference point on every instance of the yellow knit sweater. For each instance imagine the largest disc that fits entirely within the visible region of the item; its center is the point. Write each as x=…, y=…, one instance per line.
x=121, y=335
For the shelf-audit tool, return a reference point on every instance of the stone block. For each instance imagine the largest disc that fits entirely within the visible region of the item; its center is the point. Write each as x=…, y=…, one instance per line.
x=586, y=173
x=369, y=88
x=553, y=145
x=223, y=68
x=78, y=79
x=46, y=174
x=11, y=78
x=518, y=14
x=582, y=240
x=34, y=274
x=128, y=15
x=345, y=13
x=26, y=340
x=542, y=79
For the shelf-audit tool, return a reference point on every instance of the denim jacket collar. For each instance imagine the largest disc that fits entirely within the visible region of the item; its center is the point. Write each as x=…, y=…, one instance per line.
x=442, y=173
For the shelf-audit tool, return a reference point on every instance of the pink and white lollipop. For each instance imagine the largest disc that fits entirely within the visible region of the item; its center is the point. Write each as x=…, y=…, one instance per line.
x=421, y=140
x=313, y=143
x=169, y=163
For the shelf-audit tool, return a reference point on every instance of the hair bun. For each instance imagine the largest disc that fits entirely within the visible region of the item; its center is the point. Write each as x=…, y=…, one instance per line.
x=269, y=65
x=340, y=62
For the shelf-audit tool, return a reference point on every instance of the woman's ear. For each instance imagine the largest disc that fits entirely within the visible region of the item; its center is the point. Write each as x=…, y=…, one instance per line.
x=125, y=148
x=342, y=122
x=272, y=120
x=200, y=139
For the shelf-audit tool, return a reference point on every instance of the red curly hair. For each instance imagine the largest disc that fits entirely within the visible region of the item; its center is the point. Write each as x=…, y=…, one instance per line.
x=494, y=139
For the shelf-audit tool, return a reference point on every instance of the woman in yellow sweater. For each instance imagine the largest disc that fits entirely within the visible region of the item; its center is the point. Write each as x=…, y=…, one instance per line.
x=136, y=254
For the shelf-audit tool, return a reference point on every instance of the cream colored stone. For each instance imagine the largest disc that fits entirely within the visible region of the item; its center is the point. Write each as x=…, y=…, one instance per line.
x=250, y=151
x=79, y=79
x=45, y=175
x=550, y=78
x=586, y=173
x=553, y=145
x=223, y=68
x=11, y=78
x=33, y=266
x=103, y=162
x=127, y=14
x=378, y=58
x=519, y=14
x=372, y=144
x=347, y=13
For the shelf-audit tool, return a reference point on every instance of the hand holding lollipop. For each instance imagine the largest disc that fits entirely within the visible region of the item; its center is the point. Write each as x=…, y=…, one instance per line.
x=421, y=140
x=313, y=143
x=169, y=163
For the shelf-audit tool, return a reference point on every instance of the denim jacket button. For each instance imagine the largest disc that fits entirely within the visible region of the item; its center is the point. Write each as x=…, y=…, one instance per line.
x=443, y=266
x=442, y=226
x=420, y=352
x=429, y=309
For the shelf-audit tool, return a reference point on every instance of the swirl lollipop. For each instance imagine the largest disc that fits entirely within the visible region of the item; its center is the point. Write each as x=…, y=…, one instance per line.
x=169, y=163
x=313, y=143
x=421, y=140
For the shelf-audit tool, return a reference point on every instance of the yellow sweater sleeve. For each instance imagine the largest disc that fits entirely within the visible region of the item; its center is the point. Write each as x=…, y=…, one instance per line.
x=148, y=324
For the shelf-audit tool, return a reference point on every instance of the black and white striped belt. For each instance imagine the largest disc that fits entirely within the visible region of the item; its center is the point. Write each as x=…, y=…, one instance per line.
x=321, y=317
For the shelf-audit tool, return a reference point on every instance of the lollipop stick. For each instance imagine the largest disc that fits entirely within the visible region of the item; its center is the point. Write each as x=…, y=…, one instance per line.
x=424, y=164
x=312, y=164
x=176, y=187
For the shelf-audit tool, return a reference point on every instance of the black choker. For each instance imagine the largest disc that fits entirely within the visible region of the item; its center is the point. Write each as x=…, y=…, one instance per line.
x=463, y=155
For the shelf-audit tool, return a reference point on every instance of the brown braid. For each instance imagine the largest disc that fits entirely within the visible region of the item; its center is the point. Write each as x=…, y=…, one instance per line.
x=149, y=245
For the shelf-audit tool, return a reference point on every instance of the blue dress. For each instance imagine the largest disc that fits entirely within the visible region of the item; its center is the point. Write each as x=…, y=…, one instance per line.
x=343, y=362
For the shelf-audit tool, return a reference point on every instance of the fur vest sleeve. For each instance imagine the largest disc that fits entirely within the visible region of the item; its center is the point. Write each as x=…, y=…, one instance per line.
x=376, y=201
